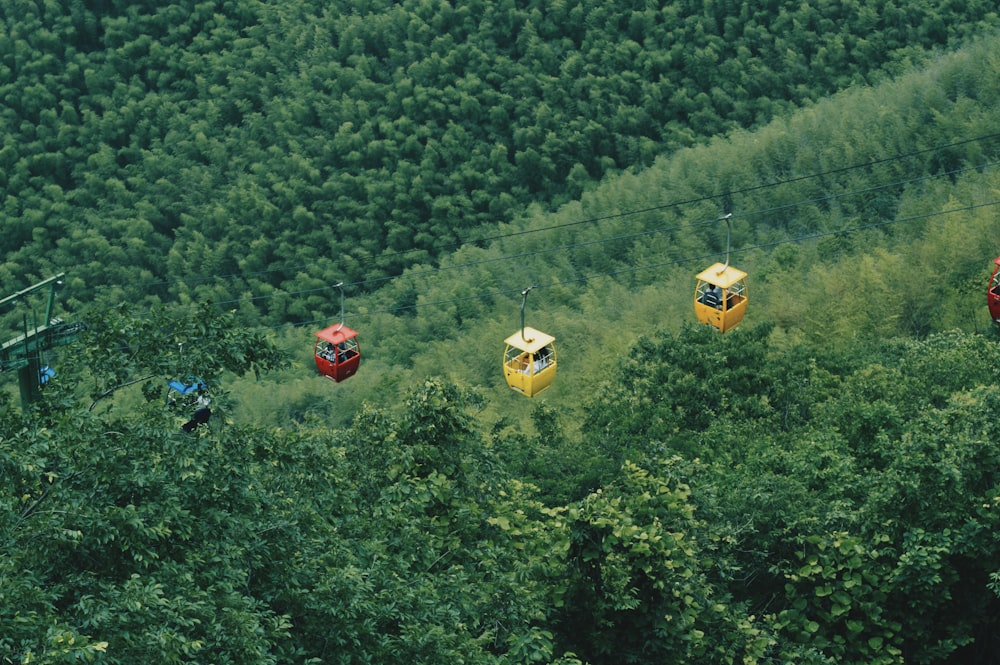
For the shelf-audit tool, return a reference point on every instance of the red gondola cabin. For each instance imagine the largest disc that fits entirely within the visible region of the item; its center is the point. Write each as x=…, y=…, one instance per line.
x=337, y=352
x=993, y=292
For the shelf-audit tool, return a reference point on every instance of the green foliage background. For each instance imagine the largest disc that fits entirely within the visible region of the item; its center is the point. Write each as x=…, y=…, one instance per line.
x=818, y=486
x=212, y=150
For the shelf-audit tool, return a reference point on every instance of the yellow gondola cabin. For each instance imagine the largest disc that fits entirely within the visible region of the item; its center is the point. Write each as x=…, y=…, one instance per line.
x=529, y=361
x=720, y=297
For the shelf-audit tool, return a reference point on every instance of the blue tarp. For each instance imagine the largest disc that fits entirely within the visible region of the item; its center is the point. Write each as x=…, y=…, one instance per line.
x=187, y=389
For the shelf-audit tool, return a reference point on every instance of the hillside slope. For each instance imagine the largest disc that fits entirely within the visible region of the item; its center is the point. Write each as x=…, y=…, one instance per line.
x=193, y=150
x=870, y=215
x=818, y=486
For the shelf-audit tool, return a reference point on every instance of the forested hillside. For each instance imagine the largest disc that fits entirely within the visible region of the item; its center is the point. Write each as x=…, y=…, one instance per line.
x=871, y=215
x=755, y=504
x=199, y=150
x=821, y=485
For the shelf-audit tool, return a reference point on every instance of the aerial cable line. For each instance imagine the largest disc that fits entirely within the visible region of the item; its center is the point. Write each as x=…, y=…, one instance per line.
x=744, y=190
x=568, y=246
x=767, y=245
x=629, y=236
x=869, y=190
x=635, y=269
x=677, y=261
x=624, y=214
x=600, y=218
x=653, y=231
x=523, y=255
x=496, y=259
x=770, y=245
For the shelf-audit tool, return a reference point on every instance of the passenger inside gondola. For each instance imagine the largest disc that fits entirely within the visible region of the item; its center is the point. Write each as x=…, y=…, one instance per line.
x=711, y=296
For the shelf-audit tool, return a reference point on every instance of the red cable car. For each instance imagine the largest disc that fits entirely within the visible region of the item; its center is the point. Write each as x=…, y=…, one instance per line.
x=993, y=292
x=337, y=352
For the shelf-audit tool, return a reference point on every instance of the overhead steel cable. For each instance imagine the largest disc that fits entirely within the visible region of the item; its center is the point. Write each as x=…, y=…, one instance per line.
x=631, y=269
x=191, y=281
x=662, y=264
x=610, y=239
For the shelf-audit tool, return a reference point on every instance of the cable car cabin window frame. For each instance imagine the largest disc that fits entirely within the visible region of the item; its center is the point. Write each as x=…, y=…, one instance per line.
x=521, y=357
x=733, y=303
x=344, y=363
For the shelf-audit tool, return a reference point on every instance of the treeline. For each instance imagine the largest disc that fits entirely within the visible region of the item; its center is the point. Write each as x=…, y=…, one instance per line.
x=236, y=149
x=740, y=503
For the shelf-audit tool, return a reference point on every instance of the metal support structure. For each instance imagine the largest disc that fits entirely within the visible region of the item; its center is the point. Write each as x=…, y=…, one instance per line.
x=24, y=352
x=729, y=235
x=524, y=300
x=51, y=281
x=340, y=285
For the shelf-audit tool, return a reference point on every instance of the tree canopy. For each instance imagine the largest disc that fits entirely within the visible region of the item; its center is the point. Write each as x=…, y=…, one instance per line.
x=823, y=508
x=216, y=150
x=819, y=485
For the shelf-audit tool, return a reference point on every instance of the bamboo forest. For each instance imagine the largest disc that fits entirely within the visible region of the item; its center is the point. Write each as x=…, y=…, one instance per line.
x=499, y=332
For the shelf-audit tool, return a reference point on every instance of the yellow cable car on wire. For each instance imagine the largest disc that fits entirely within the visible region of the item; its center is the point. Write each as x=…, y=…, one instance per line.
x=529, y=360
x=720, y=295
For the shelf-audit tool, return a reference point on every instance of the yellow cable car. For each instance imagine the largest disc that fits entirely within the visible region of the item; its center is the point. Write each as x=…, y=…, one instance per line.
x=529, y=361
x=720, y=296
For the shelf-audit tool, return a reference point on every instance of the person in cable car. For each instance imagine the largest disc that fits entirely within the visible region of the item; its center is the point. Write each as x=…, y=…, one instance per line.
x=712, y=296
x=194, y=396
x=543, y=358
x=201, y=415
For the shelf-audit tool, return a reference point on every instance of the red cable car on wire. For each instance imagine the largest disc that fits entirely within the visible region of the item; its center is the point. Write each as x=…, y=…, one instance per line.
x=337, y=352
x=993, y=292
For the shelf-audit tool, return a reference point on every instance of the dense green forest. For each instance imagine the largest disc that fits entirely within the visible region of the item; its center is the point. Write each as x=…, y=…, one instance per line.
x=756, y=504
x=820, y=485
x=199, y=150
